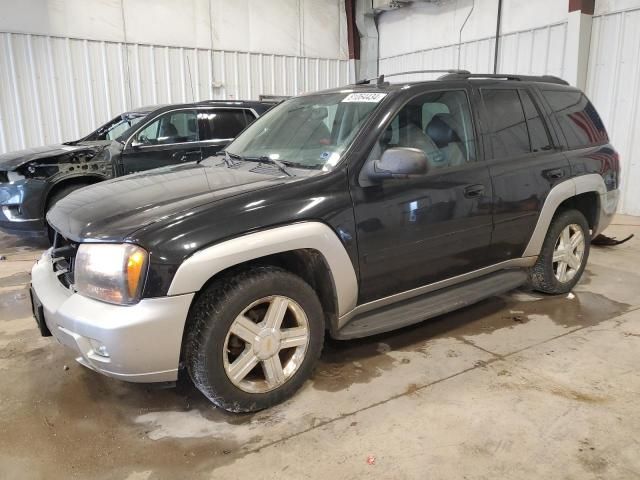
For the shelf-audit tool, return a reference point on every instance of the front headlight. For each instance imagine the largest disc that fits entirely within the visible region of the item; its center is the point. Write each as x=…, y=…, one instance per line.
x=113, y=273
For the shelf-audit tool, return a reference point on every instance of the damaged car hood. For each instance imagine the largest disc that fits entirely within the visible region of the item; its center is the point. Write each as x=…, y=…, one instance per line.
x=113, y=210
x=13, y=160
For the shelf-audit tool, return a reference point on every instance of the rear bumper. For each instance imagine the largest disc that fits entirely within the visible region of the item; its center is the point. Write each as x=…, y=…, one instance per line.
x=143, y=341
x=608, y=206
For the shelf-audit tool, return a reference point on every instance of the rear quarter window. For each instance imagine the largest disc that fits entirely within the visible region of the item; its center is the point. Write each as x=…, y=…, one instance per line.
x=578, y=118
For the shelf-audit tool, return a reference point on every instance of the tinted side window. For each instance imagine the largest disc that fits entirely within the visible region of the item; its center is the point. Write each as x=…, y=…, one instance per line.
x=507, y=125
x=437, y=123
x=578, y=118
x=537, y=131
x=227, y=124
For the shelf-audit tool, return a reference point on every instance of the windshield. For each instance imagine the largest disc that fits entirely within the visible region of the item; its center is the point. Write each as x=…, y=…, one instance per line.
x=115, y=128
x=311, y=131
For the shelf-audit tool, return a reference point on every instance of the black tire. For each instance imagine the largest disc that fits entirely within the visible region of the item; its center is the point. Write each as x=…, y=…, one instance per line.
x=543, y=273
x=211, y=318
x=55, y=198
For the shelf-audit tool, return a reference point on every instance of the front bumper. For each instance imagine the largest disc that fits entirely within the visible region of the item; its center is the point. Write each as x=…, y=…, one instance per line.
x=21, y=206
x=143, y=340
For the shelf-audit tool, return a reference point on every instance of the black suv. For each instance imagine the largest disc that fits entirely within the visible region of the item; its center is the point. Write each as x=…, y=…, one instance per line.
x=33, y=180
x=355, y=211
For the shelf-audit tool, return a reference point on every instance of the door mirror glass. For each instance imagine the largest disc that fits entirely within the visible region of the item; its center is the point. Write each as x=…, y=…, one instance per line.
x=402, y=162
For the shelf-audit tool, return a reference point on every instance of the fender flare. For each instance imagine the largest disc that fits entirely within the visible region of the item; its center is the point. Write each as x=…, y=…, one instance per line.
x=196, y=270
x=591, y=182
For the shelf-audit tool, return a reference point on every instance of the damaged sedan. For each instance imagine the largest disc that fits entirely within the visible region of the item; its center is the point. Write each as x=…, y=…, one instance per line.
x=33, y=180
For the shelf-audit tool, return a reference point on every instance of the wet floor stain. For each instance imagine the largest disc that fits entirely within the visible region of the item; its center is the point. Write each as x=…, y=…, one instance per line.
x=104, y=428
x=15, y=280
x=14, y=303
x=344, y=363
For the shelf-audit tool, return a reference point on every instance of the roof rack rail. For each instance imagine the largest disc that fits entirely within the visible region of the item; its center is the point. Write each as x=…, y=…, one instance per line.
x=504, y=76
x=381, y=82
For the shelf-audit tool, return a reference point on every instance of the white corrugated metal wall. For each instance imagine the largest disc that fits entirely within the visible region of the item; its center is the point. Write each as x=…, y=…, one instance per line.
x=613, y=80
x=56, y=89
x=535, y=51
x=613, y=84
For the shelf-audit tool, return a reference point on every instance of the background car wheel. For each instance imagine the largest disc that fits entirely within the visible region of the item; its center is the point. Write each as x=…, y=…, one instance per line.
x=254, y=339
x=564, y=254
x=55, y=198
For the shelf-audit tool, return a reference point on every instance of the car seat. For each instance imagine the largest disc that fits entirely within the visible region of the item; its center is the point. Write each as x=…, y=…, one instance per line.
x=442, y=130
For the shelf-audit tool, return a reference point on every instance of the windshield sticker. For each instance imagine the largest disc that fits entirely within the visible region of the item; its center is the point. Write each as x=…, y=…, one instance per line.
x=364, y=97
x=325, y=155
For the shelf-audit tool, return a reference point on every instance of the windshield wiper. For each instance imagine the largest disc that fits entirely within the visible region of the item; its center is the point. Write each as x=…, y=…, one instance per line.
x=263, y=159
x=226, y=159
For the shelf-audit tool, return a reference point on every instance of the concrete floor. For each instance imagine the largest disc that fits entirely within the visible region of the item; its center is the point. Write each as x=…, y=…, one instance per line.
x=518, y=386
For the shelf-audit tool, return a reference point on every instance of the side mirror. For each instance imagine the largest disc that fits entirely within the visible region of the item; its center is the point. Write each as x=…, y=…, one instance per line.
x=401, y=162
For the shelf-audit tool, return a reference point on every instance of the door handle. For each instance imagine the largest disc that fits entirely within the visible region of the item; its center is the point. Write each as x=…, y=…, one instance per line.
x=473, y=191
x=555, y=174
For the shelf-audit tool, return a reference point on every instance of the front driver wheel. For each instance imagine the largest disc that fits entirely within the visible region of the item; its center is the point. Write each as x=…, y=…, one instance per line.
x=564, y=254
x=255, y=338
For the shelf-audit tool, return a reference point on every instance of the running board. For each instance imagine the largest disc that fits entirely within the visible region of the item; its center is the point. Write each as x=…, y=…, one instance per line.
x=431, y=305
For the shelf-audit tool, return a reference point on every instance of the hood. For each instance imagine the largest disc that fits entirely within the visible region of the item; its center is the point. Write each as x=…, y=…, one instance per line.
x=113, y=210
x=13, y=160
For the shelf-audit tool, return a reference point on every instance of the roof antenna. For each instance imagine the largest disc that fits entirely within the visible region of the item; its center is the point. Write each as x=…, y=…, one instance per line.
x=380, y=82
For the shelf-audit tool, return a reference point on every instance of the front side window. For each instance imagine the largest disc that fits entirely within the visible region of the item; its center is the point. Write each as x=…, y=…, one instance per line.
x=311, y=131
x=172, y=127
x=437, y=123
x=226, y=124
x=578, y=118
x=508, y=132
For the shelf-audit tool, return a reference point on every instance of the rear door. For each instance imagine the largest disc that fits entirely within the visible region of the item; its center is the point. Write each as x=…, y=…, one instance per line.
x=219, y=126
x=525, y=161
x=168, y=139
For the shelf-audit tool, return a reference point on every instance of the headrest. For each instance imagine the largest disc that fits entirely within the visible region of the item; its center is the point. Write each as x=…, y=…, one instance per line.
x=441, y=130
x=191, y=124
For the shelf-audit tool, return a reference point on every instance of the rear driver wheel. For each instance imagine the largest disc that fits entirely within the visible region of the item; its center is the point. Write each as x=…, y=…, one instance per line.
x=564, y=254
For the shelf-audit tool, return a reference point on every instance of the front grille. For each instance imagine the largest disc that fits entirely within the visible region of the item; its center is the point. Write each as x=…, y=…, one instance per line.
x=63, y=256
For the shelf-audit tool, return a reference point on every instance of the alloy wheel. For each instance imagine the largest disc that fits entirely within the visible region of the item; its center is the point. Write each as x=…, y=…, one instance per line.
x=266, y=344
x=568, y=253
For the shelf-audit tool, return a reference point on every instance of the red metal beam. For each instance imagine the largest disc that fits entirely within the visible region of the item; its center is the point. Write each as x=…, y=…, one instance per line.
x=584, y=6
x=353, y=37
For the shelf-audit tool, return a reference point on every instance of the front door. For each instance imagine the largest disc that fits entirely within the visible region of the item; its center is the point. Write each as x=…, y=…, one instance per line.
x=169, y=139
x=417, y=231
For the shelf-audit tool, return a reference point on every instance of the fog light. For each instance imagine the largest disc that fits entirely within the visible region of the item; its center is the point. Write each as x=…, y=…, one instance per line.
x=99, y=349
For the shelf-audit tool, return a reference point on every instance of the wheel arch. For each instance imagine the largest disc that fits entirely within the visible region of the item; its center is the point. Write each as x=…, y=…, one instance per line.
x=65, y=182
x=311, y=250
x=584, y=193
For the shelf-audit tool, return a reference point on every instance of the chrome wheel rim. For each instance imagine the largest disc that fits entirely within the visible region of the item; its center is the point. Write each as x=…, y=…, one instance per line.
x=266, y=344
x=568, y=253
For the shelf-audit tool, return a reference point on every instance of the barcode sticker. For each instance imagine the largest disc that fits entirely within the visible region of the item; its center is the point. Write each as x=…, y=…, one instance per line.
x=364, y=97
